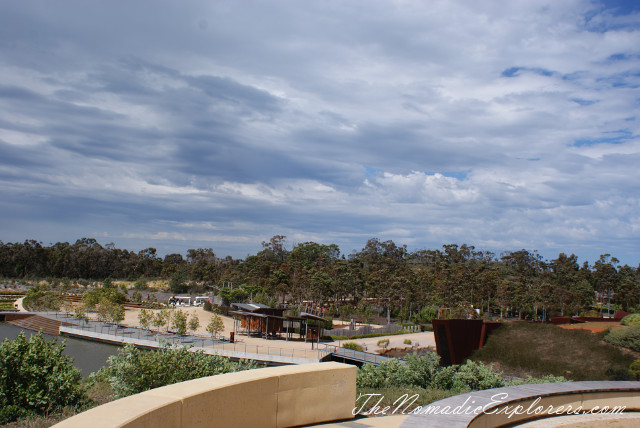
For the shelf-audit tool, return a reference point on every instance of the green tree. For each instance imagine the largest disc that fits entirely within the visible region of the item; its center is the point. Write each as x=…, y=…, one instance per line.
x=161, y=318
x=36, y=377
x=178, y=281
x=80, y=312
x=140, y=284
x=144, y=318
x=179, y=321
x=116, y=313
x=108, y=283
x=194, y=323
x=215, y=326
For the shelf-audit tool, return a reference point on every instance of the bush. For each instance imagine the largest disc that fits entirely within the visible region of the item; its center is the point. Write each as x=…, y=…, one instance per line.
x=634, y=370
x=630, y=320
x=140, y=284
x=425, y=372
x=383, y=343
x=36, y=378
x=407, y=341
x=544, y=379
x=626, y=337
x=41, y=298
x=134, y=370
x=353, y=346
x=476, y=376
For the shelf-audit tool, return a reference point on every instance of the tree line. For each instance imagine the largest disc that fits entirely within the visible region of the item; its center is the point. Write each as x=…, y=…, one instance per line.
x=515, y=283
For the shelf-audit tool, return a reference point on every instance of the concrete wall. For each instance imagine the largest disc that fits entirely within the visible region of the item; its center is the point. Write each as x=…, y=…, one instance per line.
x=269, y=397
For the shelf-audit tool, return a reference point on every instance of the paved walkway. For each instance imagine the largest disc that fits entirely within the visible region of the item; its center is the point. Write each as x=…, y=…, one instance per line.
x=425, y=339
x=100, y=331
x=462, y=408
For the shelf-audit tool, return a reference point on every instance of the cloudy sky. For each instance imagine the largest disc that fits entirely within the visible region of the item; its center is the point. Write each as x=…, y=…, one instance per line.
x=176, y=125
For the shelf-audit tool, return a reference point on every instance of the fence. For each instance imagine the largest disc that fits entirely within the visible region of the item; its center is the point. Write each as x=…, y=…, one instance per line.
x=149, y=338
x=368, y=329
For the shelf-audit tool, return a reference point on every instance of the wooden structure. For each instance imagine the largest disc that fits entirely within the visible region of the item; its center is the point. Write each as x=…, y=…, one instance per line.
x=261, y=320
x=257, y=319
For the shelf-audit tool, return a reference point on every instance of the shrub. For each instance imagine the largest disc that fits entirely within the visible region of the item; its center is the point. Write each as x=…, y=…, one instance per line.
x=383, y=343
x=425, y=372
x=140, y=284
x=476, y=376
x=407, y=341
x=630, y=320
x=388, y=373
x=36, y=378
x=544, y=379
x=634, y=370
x=41, y=298
x=353, y=346
x=134, y=370
x=626, y=337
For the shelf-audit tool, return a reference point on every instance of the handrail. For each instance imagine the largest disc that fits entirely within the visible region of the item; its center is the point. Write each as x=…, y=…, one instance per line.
x=199, y=341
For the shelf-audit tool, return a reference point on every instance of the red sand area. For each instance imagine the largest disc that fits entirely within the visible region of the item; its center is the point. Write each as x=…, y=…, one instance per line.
x=595, y=327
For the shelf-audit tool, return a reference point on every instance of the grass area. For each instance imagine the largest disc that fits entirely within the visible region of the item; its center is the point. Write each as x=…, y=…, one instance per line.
x=521, y=349
x=389, y=396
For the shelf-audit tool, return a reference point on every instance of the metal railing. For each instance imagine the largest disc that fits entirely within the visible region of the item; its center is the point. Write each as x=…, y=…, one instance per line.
x=365, y=329
x=119, y=333
x=352, y=354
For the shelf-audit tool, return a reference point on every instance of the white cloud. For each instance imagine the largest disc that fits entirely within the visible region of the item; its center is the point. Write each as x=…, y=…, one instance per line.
x=496, y=123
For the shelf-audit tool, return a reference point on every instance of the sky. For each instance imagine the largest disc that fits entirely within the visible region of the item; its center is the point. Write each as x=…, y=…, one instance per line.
x=505, y=125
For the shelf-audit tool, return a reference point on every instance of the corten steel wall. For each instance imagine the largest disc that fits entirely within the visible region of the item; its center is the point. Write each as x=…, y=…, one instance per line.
x=456, y=339
x=272, y=397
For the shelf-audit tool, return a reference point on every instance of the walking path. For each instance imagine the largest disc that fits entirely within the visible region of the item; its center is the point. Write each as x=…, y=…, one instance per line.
x=459, y=411
x=425, y=339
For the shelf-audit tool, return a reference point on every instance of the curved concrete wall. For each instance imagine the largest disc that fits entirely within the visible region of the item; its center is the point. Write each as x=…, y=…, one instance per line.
x=270, y=397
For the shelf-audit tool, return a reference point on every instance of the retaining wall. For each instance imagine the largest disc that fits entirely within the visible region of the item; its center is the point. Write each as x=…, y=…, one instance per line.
x=270, y=397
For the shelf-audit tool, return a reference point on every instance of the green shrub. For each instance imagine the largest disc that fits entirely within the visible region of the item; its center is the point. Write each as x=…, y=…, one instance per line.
x=634, y=370
x=353, y=346
x=134, y=370
x=41, y=298
x=530, y=380
x=425, y=372
x=443, y=378
x=626, y=337
x=383, y=343
x=36, y=378
x=630, y=320
x=140, y=284
x=407, y=341
x=476, y=376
